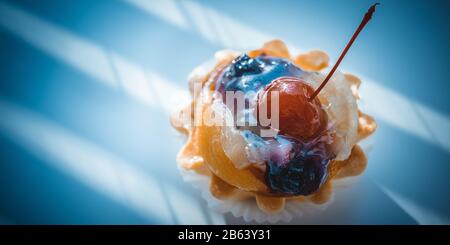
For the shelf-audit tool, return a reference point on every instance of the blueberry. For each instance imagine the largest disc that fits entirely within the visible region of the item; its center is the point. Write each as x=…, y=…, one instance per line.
x=302, y=174
x=244, y=65
x=252, y=74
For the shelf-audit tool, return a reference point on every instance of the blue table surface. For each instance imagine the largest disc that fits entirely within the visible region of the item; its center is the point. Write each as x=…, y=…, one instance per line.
x=84, y=102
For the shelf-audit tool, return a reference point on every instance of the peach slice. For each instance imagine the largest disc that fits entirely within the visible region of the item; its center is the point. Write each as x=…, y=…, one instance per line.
x=220, y=165
x=221, y=189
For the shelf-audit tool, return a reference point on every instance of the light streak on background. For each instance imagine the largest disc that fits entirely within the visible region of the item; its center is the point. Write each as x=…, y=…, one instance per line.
x=99, y=169
x=85, y=161
x=146, y=86
x=422, y=215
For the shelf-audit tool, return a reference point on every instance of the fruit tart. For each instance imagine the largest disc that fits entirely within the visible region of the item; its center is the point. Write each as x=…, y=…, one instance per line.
x=290, y=139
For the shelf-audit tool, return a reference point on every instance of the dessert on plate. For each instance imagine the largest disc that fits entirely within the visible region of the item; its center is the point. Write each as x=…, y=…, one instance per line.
x=263, y=126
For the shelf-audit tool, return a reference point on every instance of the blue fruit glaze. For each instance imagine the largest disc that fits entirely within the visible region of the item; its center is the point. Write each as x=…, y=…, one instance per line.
x=252, y=74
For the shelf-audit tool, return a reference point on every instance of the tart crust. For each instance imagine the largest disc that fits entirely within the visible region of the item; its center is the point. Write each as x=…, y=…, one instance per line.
x=203, y=152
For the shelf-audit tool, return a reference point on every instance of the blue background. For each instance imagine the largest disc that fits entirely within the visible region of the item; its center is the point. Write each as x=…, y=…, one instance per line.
x=80, y=143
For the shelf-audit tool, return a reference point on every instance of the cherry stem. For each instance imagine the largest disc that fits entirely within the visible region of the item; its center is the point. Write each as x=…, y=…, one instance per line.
x=363, y=23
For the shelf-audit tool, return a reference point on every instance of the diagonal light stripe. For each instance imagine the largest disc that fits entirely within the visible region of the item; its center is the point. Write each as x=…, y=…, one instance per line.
x=422, y=215
x=83, y=160
x=119, y=180
x=437, y=123
x=166, y=10
x=96, y=167
x=207, y=22
x=405, y=114
x=201, y=22
x=393, y=108
x=133, y=80
x=146, y=86
x=59, y=43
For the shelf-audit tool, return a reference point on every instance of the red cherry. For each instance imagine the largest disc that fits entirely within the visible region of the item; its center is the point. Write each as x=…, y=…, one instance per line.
x=299, y=118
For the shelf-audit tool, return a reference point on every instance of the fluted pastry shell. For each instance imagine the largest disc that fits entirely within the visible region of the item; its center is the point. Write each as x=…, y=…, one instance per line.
x=203, y=152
